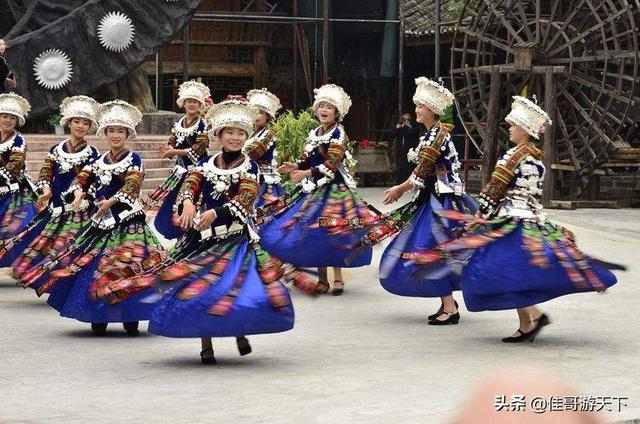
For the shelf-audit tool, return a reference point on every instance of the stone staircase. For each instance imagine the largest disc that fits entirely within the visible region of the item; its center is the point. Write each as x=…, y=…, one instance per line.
x=156, y=168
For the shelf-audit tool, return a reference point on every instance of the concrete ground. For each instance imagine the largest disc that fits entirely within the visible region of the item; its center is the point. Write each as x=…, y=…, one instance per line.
x=367, y=356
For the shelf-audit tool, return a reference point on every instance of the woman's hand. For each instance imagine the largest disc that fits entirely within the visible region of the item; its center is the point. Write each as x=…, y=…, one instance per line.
x=287, y=167
x=206, y=219
x=188, y=213
x=168, y=152
x=393, y=194
x=78, y=196
x=43, y=199
x=103, y=207
x=297, y=175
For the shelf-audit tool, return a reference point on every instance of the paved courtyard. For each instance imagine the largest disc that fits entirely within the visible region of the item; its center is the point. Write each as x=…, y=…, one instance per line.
x=365, y=357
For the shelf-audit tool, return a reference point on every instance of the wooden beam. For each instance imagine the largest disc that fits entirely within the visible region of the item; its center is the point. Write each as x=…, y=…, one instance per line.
x=549, y=148
x=224, y=43
x=204, y=69
x=511, y=69
x=490, y=145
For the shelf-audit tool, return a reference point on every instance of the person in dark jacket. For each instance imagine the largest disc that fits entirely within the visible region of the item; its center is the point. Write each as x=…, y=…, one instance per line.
x=7, y=79
x=406, y=137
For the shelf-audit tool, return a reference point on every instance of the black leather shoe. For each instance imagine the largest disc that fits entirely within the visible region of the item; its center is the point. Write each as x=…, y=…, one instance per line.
x=99, y=329
x=206, y=358
x=452, y=319
x=434, y=316
x=131, y=328
x=337, y=291
x=243, y=346
x=531, y=335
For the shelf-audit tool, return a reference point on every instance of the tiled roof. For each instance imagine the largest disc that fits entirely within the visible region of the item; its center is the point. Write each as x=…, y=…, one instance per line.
x=419, y=16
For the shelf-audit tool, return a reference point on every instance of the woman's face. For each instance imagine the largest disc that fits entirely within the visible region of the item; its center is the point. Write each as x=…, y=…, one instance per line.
x=517, y=135
x=191, y=106
x=424, y=114
x=232, y=139
x=327, y=113
x=116, y=137
x=3, y=46
x=262, y=119
x=79, y=127
x=8, y=122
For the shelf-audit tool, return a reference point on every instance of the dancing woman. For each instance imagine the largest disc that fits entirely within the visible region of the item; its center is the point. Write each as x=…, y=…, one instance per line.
x=261, y=146
x=57, y=224
x=17, y=197
x=188, y=144
x=326, y=188
x=218, y=282
x=117, y=235
x=516, y=257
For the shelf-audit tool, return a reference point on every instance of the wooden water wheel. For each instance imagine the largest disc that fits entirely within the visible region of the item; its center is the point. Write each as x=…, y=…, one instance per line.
x=579, y=57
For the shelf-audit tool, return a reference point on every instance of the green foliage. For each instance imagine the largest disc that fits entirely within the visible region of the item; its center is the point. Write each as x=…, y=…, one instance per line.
x=292, y=132
x=447, y=117
x=54, y=119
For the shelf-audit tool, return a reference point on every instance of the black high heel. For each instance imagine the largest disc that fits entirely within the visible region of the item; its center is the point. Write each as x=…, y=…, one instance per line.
x=243, y=346
x=206, y=359
x=99, y=329
x=439, y=312
x=531, y=335
x=451, y=320
x=131, y=328
x=337, y=291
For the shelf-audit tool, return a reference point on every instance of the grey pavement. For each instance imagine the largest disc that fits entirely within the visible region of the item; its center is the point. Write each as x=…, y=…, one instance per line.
x=365, y=357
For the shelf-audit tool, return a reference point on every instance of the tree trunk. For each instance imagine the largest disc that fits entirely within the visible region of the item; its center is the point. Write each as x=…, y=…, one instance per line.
x=134, y=88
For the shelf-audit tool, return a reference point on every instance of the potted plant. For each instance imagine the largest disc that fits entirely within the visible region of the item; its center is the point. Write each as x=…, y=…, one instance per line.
x=54, y=121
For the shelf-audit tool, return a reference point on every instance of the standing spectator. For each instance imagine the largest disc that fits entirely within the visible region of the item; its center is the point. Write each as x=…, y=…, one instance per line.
x=406, y=137
x=6, y=76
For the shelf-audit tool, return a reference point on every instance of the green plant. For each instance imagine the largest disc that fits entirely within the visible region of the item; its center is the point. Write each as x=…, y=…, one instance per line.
x=54, y=119
x=447, y=116
x=292, y=132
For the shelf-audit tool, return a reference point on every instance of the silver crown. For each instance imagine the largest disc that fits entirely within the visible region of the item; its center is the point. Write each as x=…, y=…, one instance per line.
x=433, y=95
x=335, y=95
x=233, y=114
x=15, y=105
x=118, y=113
x=264, y=100
x=192, y=90
x=79, y=107
x=528, y=116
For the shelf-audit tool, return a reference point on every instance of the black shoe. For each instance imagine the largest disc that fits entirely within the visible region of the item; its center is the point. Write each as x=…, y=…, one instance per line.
x=434, y=316
x=206, y=359
x=531, y=335
x=338, y=290
x=131, y=328
x=99, y=330
x=243, y=346
x=453, y=319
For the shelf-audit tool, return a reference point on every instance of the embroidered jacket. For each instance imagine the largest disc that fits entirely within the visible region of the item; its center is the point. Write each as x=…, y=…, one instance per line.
x=121, y=180
x=261, y=147
x=515, y=185
x=230, y=192
x=327, y=157
x=12, y=163
x=61, y=167
x=193, y=139
x=437, y=162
